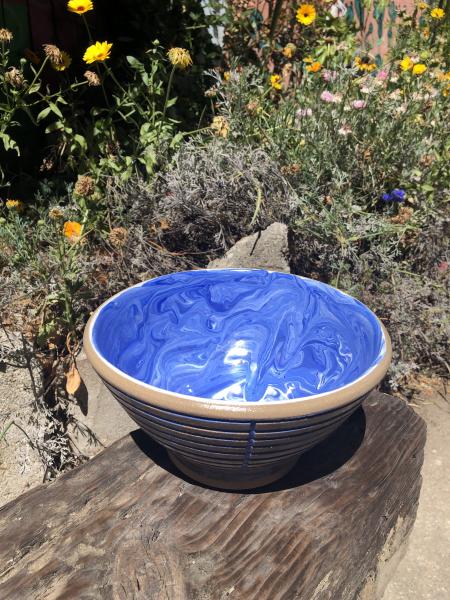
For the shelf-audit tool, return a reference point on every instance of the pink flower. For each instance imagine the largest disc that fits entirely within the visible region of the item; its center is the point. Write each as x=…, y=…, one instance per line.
x=328, y=75
x=359, y=104
x=442, y=266
x=327, y=96
x=383, y=75
x=345, y=130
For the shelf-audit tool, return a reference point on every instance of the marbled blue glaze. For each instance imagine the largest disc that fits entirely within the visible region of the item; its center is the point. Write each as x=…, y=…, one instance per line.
x=239, y=335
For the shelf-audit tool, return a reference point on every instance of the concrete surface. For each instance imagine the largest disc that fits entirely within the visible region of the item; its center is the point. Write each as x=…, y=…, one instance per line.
x=21, y=424
x=99, y=420
x=424, y=572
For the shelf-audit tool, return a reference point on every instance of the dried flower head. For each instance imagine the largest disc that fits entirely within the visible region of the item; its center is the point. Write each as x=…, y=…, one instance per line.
x=66, y=62
x=290, y=169
x=253, y=106
x=84, y=186
x=220, y=126
x=53, y=53
x=118, y=236
x=211, y=92
x=403, y=216
x=92, y=78
x=55, y=213
x=180, y=57
x=5, y=35
x=14, y=78
x=47, y=164
x=15, y=205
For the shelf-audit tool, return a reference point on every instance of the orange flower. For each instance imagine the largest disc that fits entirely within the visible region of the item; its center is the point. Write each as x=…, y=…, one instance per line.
x=314, y=67
x=72, y=230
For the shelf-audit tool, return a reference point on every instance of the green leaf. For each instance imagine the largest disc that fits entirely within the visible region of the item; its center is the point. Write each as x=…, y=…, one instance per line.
x=55, y=109
x=9, y=143
x=81, y=141
x=56, y=126
x=44, y=113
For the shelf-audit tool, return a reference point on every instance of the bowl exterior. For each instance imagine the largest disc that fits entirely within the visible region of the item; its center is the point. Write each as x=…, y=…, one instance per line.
x=233, y=454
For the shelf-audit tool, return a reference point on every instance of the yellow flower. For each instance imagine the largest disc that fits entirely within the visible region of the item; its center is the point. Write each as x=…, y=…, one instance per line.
x=226, y=75
x=79, y=6
x=406, y=64
x=364, y=64
x=426, y=32
x=306, y=14
x=72, y=230
x=99, y=51
x=314, y=67
x=423, y=5
x=288, y=50
x=419, y=68
x=220, y=126
x=65, y=64
x=16, y=205
x=275, y=82
x=179, y=57
x=308, y=59
x=437, y=13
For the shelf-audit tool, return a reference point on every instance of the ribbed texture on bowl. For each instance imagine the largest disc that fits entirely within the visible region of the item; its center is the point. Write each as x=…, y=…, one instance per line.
x=233, y=453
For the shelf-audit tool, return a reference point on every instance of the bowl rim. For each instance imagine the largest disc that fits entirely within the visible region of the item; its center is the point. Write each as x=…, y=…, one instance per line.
x=211, y=408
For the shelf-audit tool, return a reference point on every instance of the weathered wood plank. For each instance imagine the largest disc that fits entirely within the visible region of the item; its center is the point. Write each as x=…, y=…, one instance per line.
x=126, y=525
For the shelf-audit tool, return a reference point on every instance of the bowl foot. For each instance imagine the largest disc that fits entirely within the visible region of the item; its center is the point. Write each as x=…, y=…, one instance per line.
x=244, y=478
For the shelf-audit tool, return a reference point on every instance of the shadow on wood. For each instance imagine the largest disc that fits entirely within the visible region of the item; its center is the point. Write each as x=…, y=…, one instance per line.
x=127, y=525
x=318, y=462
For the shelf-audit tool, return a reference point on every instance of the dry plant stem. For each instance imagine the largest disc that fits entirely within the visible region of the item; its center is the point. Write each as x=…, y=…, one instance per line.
x=97, y=68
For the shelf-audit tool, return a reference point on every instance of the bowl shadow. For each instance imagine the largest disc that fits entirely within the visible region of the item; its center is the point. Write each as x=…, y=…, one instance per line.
x=318, y=462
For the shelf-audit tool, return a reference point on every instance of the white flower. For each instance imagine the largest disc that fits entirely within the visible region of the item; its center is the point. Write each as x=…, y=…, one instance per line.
x=338, y=9
x=303, y=112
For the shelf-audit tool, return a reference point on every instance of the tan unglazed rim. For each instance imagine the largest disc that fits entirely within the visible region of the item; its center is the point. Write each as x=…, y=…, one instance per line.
x=235, y=411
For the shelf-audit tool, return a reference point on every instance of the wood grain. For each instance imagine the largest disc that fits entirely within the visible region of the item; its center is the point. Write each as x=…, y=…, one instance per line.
x=127, y=525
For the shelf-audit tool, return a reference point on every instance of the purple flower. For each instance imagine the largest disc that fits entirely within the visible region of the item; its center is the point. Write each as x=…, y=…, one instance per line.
x=328, y=75
x=397, y=195
x=327, y=96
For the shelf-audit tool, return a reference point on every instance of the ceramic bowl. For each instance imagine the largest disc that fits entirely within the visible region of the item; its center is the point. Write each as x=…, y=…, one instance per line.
x=236, y=372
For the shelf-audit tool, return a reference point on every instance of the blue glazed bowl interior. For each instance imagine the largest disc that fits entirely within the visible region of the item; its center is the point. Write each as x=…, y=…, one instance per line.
x=239, y=335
